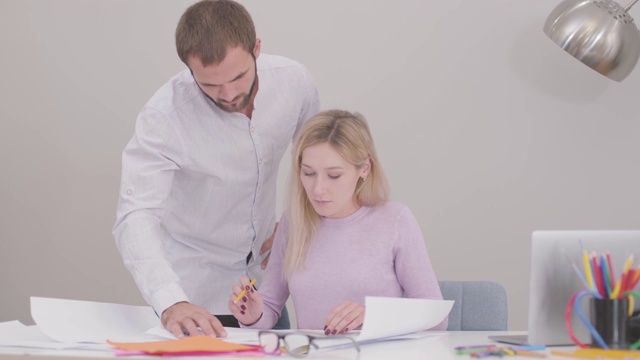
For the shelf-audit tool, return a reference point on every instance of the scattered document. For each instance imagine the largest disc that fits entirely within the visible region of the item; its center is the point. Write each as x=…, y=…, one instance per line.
x=16, y=334
x=387, y=317
x=75, y=324
x=234, y=335
x=92, y=322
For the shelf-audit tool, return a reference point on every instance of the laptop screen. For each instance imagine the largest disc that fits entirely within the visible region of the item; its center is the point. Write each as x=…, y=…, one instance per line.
x=553, y=280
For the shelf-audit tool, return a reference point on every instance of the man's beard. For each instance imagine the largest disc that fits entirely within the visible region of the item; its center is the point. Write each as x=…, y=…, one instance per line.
x=246, y=98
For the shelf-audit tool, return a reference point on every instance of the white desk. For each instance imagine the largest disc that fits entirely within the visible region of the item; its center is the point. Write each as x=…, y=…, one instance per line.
x=440, y=348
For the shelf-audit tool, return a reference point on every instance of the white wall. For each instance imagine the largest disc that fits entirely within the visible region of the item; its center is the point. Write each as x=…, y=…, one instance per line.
x=486, y=129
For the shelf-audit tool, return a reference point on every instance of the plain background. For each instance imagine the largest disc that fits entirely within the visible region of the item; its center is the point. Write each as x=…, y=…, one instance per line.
x=486, y=129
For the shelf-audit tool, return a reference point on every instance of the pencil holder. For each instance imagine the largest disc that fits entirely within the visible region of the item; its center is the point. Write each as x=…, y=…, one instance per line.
x=610, y=318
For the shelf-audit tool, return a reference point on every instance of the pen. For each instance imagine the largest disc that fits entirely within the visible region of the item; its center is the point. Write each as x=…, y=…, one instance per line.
x=243, y=292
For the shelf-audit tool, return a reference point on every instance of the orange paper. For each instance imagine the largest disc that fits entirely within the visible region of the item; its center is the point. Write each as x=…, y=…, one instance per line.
x=184, y=345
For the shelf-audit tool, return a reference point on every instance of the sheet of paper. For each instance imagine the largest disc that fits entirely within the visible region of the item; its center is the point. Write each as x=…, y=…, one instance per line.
x=160, y=332
x=76, y=321
x=386, y=317
x=15, y=330
x=16, y=334
x=234, y=335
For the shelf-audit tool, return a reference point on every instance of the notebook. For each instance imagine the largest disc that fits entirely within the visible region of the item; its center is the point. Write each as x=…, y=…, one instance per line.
x=552, y=280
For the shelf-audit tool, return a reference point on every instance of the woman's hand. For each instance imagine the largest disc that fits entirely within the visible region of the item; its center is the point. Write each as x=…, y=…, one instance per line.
x=249, y=307
x=344, y=317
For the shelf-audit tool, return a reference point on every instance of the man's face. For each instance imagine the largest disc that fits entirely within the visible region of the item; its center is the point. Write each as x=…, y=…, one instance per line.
x=231, y=83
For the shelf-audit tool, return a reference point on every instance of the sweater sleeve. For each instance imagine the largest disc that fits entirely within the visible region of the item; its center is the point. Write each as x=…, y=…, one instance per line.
x=274, y=289
x=412, y=264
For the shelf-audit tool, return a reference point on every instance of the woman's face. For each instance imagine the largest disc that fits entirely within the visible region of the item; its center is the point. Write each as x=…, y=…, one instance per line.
x=330, y=181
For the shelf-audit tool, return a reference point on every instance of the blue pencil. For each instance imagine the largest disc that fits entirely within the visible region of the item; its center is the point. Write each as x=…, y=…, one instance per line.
x=606, y=278
x=575, y=268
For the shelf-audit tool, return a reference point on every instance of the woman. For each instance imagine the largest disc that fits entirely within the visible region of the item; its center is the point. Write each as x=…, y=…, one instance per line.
x=341, y=239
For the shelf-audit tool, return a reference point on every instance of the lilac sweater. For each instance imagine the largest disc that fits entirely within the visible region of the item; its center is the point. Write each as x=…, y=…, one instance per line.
x=376, y=251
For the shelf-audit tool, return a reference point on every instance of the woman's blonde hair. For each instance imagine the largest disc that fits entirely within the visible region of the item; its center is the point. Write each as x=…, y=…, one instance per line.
x=349, y=135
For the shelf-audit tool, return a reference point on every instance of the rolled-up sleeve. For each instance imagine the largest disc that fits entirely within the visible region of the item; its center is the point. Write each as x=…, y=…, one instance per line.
x=149, y=162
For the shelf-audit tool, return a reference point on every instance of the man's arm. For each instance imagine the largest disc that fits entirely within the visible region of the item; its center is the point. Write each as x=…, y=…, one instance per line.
x=148, y=165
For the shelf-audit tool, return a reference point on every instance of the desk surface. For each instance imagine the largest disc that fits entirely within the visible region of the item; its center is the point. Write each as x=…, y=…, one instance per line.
x=440, y=348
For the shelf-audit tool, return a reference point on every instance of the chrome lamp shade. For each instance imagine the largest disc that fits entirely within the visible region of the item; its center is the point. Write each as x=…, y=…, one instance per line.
x=599, y=33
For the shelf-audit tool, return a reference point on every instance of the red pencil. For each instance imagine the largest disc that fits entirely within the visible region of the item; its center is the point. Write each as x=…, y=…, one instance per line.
x=597, y=272
x=612, y=275
x=623, y=284
x=629, y=285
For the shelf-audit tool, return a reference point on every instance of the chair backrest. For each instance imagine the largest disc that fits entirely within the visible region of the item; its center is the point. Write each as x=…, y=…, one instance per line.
x=479, y=305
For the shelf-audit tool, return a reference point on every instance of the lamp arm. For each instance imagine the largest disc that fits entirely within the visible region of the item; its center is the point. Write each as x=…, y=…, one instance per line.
x=626, y=8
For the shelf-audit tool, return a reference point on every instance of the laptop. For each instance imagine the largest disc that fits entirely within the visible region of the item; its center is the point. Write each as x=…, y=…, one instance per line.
x=553, y=280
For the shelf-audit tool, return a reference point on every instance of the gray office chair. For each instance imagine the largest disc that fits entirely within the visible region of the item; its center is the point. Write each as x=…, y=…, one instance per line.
x=479, y=305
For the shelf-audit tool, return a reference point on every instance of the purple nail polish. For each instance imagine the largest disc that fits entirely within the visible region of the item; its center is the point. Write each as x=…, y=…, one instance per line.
x=251, y=290
x=334, y=332
x=247, y=287
x=346, y=329
x=244, y=298
x=325, y=327
x=243, y=307
x=327, y=332
x=241, y=312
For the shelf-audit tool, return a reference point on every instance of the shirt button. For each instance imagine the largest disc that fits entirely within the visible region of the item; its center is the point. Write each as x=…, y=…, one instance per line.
x=129, y=191
x=260, y=161
x=253, y=129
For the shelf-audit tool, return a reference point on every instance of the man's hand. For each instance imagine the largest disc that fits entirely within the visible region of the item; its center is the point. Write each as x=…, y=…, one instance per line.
x=184, y=319
x=266, y=246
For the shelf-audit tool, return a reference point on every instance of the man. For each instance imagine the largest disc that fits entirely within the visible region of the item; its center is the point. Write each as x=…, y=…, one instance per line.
x=197, y=200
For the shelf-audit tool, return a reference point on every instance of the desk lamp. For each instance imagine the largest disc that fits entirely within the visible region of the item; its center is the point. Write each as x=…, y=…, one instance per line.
x=599, y=33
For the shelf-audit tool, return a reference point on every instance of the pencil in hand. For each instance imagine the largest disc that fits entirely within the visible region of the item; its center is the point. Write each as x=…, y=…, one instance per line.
x=243, y=292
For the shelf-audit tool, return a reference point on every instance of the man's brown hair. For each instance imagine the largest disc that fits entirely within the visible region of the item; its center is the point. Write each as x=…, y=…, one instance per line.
x=209, y=28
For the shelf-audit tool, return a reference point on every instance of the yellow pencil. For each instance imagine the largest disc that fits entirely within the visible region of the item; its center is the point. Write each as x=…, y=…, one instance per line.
x=625, y=270
x=587, y=269
x=627, y=264
x=243, y=292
